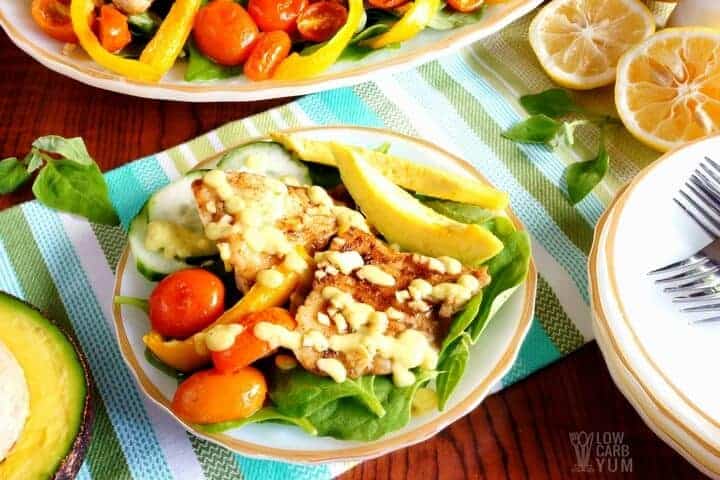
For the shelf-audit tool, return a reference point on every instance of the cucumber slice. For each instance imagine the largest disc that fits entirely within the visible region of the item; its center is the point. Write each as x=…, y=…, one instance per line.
x=152, y=265
x=265, y=158
x=176, y=203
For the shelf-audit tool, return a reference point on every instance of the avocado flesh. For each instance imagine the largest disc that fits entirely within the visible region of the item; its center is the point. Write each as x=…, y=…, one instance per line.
x=58, y=392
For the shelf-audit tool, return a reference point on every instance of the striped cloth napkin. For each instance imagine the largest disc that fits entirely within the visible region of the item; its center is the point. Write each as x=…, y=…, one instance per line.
x=65, y=265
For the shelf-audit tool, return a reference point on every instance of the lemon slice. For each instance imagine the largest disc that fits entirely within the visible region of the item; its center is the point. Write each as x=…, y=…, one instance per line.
x=579, y=42
x=668, y=87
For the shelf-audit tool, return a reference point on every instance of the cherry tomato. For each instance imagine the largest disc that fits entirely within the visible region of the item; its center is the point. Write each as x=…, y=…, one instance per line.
x=53, y=16
x=319, y=21
x=267, y=53
x=185, y=302
x=247, y=347
x=387, y=3
x=465, y=6
x=225, y=32
x=113, y=29
x=210, y=396
x=273, y=15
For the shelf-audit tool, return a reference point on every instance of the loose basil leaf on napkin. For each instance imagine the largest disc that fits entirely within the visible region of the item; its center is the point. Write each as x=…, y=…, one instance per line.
x=447, y=18
x=266, y=414
x=72, y=149
x=554, y=103
x=12, y=175
x=299, y=393
x=582, y=177
x=200, y=68
x=536, y=129
x=451, y=368
x=33, y=160
x=74, y=188
x=349, y=419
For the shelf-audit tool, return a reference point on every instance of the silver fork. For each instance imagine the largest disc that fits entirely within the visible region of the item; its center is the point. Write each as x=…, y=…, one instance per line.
x=694, y=282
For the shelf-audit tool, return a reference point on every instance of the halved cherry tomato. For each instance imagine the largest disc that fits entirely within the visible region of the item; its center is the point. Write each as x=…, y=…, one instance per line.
x=386, y=3
x=185, y=302
x=113, y=29
x=53, y=16
x=321, y=20
x=273, y=15
x=247, y=347
x=267, y=53
x=210, y=396
x=465, y=6
x=225, y=32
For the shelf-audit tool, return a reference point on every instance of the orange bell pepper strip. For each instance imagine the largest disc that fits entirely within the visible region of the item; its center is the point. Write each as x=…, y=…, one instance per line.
x=80, y=11
x=190, y=354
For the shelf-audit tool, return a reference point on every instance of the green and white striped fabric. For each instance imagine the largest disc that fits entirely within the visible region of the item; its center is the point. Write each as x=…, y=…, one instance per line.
x=65, y=265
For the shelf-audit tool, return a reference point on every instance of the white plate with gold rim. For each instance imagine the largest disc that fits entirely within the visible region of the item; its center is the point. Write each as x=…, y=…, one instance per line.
x=672, y=361
x=429, y=45
x=490, y=358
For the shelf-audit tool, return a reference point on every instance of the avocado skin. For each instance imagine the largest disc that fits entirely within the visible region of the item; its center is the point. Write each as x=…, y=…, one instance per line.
x=72, y=462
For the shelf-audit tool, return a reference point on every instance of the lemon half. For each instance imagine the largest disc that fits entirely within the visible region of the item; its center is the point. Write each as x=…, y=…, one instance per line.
x=579, y=42
x=668, y=87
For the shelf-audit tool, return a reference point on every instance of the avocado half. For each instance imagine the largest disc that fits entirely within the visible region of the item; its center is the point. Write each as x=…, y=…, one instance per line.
x=56, y=435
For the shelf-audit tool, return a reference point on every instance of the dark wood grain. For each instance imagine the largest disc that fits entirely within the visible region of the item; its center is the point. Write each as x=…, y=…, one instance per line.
x=519, y=433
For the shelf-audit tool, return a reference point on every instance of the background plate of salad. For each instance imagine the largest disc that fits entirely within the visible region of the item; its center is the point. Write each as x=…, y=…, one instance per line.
x=223, y=50
x=299, y=438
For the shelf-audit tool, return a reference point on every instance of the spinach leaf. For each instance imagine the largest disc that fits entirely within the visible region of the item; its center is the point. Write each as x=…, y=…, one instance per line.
x=200, y=68
x=12, y=175
x=554, y=103
x=460, y=212
x=535, y=129
x=507, y=270
x=267, y=414
x=72, y=149
x=300, y=393
x=323, y=175
x=34, y=160
x=348, y=419
x=447, y=18
x=461, y=321
x=582, y=177
x=451, y=368
x=72, y=187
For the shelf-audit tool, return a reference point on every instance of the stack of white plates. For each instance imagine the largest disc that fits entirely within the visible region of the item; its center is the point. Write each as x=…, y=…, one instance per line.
x=666, y=366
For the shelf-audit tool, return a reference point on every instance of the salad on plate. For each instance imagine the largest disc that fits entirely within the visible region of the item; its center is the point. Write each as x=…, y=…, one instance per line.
x=261, y=39
x=328, y=286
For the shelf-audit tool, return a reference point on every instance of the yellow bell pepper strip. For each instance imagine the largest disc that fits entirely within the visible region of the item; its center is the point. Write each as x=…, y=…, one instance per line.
x=300, y=67
x=190, y=354
x=80, y=11
x=164, y=48
x=413, y=22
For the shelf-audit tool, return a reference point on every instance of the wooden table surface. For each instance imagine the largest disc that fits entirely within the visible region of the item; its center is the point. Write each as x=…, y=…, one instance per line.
x=521, y=432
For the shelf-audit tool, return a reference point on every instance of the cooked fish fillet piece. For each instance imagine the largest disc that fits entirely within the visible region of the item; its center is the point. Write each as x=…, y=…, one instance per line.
x=256, y=220
x=410, y=293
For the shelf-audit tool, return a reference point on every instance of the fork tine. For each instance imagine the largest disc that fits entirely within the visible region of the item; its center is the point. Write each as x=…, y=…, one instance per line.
x=705, y=320
x=698, y=297
x=708, y=194
x=707, y=170
x=712, y=307
x=689, y=275
x=708, y=186
x=699, y=222
x=691, y=261
x=694, y=287
x=712, y=163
